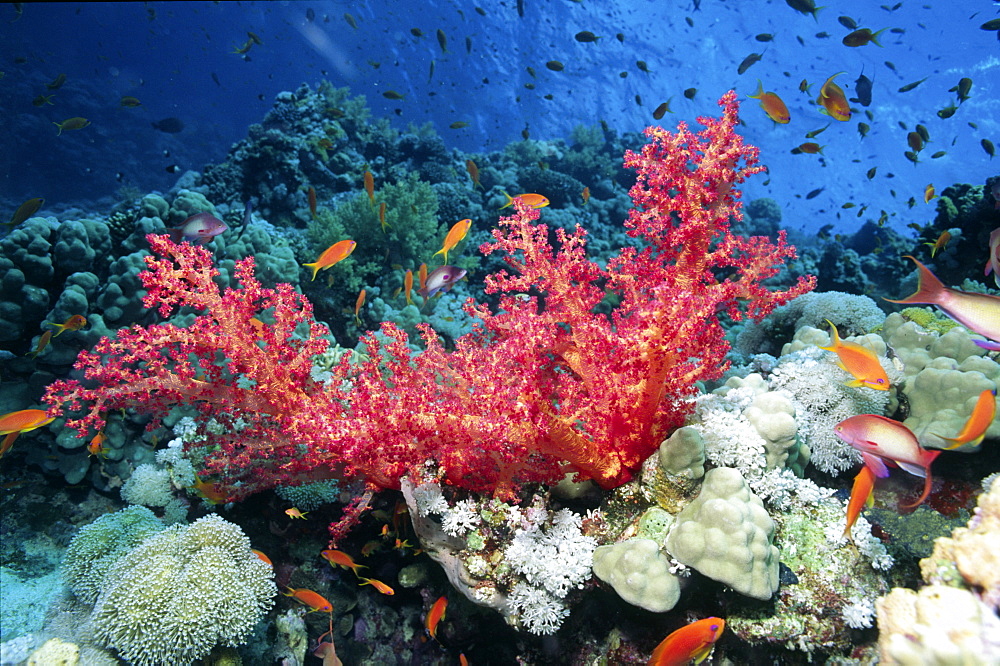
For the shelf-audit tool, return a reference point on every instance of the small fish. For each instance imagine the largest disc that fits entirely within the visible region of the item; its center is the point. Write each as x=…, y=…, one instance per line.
x=915, y=141
x=314, y=600
x=773, y=106
x=947, y=112
x=662, y=109
x=748, y=62
x=832, y=99
x=847, y=22
x=910, y=86
x=421, y=278
x=458, y=124
x=23, y=420
x=392, y=94
x=57, y=82
x=454, y=236
x=211, y=492
x=988, y=147
x=643, y=67
x=263, y=558
x=585, y=195
x=939, y=154
x=312, y=201
x=764, y=37
x=25, y=210
x=42, y=100
x=370, y=187
x=441, y=279
x=691, y=642
x=880, y=440
x=473, y=172
x=173, y=168
x=200, y=229
x=863, y=89
x=555, y=65
x=804, y=86
x=378, y=585
x=928, y=195
x=689, y=93
x=97, y=447
x=169, y=125
x=381, y=216
x=408, y=286
x=357, y=305
x=74, y=123
x=434, y=616
x=980, y=313
x=585, y=36
x=530, y=200
x=295, y=513
x=861, y=495
x=816, y=132
x=862, y=36
x=416, y=32
x=991, y=25
x=350, y=21
x=979, y=422
x=923, y=132
x=812, y=194
x=962, y=89
x=331, y=256
x=129, y=102
x=860, y=362
x=810, y=148
x=804, y=7
x=442, y=40
x=72, y=323
x=339, y=558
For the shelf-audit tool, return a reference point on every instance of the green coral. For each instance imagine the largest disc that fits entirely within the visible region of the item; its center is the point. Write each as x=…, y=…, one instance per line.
x=928, y=320
x=99, y=545
x=183, y=592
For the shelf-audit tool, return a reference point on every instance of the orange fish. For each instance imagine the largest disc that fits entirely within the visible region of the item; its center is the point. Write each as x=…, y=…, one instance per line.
x=312, y=201
x=339, y=558
x=811, y=148
x=473, y=170
x=773, y=106
x=422, y=278
x=454, y=237
x=381, y=216
x=980, y=313
x=585, y=195
x=530, y=200
x=13, y=424
x=435, y=615
x=312, y=599
x=929, y=193
x=833, y=100
x=880, y=440
x=408, y=286
x=96, y=446
x=72, y=323
x=694, y=641
x=337, y=252
x=370, y=187
x=43, y=341
x=295, y=513
x=378, y=585
x=212, y=492
x=357, y=305
x=861, y=495
x=860, y=361
x=263, y=558
x=940, y=243
x=979, y=421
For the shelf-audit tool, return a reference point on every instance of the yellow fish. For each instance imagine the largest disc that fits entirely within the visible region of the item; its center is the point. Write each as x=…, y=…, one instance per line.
x=859, y=361
x=454, y=237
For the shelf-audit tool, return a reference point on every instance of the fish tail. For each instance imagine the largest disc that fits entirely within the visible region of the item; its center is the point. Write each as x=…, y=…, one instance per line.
x=315, y=269
x=834, y=339
x=923, y=495
x=875, y=37
x=510, y=200
x=929, y=288
x=760, y=91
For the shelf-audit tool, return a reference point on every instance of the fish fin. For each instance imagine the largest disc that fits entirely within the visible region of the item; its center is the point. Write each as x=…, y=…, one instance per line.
x=988, y=344
x=915, y=470
x=923, y=495
x=853, y=383
x=929, y=288
x=876, y=464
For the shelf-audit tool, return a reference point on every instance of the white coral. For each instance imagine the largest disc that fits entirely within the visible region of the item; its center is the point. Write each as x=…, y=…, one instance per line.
x=859, y=612
x=537, y=610
x=461, y=518
x=558, y=558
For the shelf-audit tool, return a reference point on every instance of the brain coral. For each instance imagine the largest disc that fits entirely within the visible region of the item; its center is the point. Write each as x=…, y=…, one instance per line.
x=181, y=593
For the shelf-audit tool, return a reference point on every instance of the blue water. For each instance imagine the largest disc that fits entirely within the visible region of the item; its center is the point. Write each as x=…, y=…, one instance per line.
x=178, y=60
